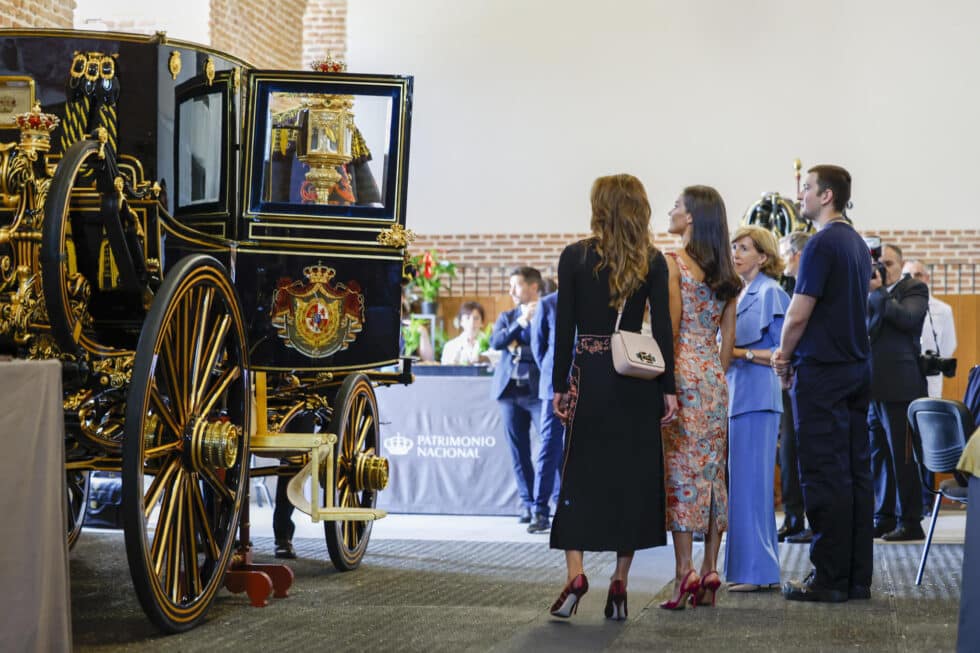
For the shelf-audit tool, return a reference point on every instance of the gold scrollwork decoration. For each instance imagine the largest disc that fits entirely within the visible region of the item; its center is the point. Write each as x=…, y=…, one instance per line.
x=396, y=236
x=209, y=70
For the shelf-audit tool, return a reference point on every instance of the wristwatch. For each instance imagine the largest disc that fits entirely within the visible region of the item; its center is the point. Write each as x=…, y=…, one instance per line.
x=749, y=356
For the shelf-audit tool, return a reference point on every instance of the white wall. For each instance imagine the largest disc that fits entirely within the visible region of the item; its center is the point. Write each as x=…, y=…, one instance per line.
x=185, y=20
x=519, y=104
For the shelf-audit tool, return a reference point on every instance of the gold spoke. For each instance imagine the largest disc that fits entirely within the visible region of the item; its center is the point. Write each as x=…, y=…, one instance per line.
x=161, y=536
x=362, y=435
x=190, y=559
x=218, y=486
x=158, y=485
x=202, y=310
x=357, y=413
x=170, y=366
x=213, y=350
x=163, y=449
x=175, y=548
x=164, y=411
x=206, y=534
x=219, y=388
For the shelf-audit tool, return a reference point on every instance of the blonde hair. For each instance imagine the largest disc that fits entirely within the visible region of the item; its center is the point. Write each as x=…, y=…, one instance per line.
x=765, y=243
x=620, y=229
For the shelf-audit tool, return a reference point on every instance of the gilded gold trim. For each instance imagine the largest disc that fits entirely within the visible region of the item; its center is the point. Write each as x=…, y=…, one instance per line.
x=209, y=70
x=174, y=65
x=344, y=368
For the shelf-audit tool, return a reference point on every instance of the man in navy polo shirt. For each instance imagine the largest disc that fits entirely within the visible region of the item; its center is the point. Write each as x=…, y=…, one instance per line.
x=824, y=355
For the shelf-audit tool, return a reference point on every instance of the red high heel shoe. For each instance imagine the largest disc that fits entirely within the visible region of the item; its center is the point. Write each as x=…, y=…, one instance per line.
x=616, y=601
x=710, y=583
x=686, y=588
x=568, y=600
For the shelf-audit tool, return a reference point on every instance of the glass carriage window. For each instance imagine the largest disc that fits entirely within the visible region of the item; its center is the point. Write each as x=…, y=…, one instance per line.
x=199, y=153
x=327, y=149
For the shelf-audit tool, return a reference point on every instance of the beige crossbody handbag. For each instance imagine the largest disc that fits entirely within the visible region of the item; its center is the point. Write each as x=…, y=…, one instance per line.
x=635, y=354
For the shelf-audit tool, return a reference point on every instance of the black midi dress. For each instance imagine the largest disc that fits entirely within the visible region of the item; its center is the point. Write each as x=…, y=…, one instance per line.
x=612, y=480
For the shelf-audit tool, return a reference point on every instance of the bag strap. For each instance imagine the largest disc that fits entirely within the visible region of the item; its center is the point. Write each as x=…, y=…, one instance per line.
x=619, y=316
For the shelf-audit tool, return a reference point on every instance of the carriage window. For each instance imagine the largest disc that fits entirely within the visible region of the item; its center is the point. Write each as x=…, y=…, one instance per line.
x=199, y=153
x=326, y=149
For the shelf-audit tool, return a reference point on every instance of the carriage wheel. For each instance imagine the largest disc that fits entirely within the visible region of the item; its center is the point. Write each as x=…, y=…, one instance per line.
x=66, y=290
x=185, y=452
x=77, y=486
x=359, y=474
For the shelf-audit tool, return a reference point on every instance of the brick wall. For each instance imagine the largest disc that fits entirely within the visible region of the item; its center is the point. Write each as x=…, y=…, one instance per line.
x=266, y=34
x=485, y=260
x=324, y=30
x=37, y=13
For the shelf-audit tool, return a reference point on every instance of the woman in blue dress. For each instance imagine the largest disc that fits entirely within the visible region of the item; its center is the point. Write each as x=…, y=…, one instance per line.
x=755, y=406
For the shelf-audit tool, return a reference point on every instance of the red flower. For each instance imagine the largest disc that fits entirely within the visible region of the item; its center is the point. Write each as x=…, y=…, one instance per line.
x=427, y=266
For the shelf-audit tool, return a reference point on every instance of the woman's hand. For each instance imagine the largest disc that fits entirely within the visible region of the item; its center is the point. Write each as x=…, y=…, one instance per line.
x=560, y=404
x=670, y=409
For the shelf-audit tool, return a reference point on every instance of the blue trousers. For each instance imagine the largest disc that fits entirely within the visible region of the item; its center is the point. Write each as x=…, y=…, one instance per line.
x=898, y=488
x=519, y=409
x=546, y=484
x=830, y=404
x=751, y=555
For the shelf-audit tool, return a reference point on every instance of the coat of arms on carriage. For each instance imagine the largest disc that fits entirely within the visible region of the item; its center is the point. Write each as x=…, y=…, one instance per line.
x=317, y=318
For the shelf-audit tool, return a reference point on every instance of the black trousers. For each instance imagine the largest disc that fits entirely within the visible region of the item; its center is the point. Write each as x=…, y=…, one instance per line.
x=830, y=403
x=789, y=469
x=898, y=488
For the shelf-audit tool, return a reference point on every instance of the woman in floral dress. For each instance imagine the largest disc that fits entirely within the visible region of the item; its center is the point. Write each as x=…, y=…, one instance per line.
x=703, y=286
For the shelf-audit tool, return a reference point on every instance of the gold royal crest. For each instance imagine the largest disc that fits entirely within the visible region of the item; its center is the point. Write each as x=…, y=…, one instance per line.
x=317, y=318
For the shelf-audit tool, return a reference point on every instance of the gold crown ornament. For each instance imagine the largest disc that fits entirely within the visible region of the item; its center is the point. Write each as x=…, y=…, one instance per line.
x=35, y=130
x=329, y=65
x=319, y=273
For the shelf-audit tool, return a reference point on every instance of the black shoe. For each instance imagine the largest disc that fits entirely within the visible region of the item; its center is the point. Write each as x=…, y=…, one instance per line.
x=808, y=590
x=803, y=537
x=859, y=592
x=284, y=549
x=883, y=528
x=539, y=524
x=525, y=517
x=905, y=534
x=787, y=531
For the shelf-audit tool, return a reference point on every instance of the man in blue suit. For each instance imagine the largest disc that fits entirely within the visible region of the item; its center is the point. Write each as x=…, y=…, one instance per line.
x=551, y=429
x=515, y=379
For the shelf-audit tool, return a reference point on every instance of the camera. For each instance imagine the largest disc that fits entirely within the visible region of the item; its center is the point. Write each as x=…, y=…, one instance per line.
x=931, y=363
x=877, y=267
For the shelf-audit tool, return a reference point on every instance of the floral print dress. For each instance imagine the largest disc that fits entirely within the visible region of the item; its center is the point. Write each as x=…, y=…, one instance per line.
x=696, y=443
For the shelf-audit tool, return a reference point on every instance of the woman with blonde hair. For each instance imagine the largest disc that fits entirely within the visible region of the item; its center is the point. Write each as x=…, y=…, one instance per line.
x=754, y=410
x=612, y=492
x=703, y=287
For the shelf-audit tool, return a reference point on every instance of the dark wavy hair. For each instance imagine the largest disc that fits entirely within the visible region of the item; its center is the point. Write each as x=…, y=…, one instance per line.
x=709, y=244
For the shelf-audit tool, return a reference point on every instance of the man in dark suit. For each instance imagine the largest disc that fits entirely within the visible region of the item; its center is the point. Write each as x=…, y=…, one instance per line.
x=551, y=429
x=896, y=310
x=516, y=379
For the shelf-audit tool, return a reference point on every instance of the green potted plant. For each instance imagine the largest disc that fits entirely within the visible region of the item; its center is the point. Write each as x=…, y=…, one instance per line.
x=428, y=278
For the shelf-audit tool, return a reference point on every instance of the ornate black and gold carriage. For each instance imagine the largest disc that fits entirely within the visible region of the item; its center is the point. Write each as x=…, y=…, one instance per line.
x=215, y=254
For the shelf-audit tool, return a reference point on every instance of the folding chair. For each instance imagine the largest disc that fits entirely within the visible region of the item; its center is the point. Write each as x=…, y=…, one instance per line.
x=942, y=426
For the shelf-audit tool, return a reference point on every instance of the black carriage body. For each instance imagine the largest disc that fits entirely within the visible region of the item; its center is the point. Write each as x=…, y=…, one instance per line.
x=231, y=148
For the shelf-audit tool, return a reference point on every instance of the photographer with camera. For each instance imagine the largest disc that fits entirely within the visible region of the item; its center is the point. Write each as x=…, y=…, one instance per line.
x=896, y=311
x=938, y=334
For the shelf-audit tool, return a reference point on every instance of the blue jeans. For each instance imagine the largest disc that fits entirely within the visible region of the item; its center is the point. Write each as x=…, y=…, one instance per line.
x=549, y=458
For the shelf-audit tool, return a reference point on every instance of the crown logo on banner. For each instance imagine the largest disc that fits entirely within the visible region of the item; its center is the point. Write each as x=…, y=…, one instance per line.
x=398, y=445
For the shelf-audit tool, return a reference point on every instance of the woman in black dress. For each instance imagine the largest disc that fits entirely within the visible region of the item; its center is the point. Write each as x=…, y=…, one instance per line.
x=612, y=487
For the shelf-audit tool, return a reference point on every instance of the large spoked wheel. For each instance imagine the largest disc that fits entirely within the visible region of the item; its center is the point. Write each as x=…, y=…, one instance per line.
x=66, y=289
x=355, y=421
x=185, y=452
x=77, y=486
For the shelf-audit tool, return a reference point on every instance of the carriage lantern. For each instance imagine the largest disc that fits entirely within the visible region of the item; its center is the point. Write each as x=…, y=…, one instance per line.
x=325, y=140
